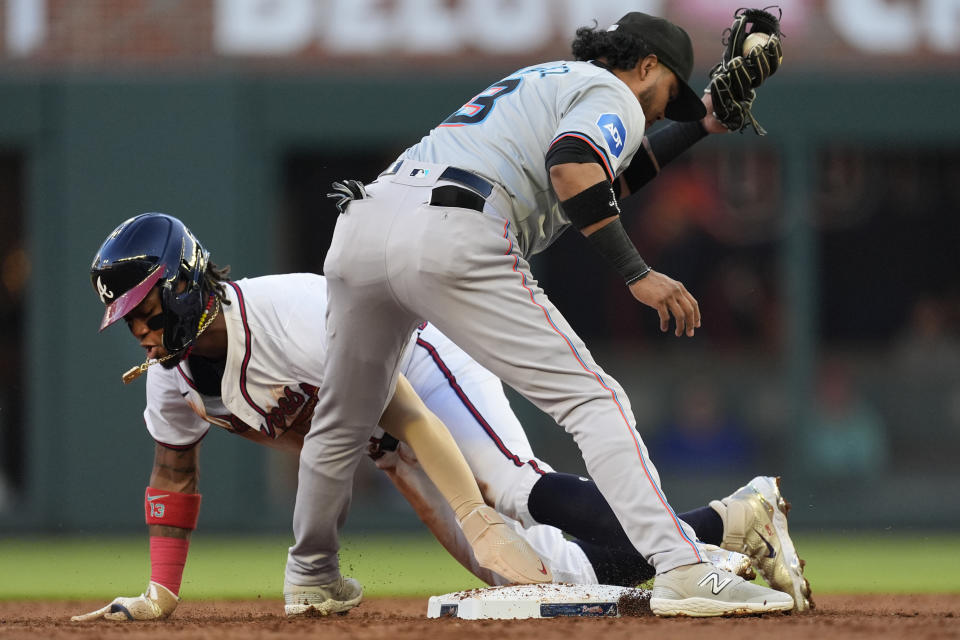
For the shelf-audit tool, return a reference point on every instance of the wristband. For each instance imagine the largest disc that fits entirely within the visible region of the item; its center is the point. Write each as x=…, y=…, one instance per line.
x=591, y=205
x=167, y=559
x=172, y=508
x=615, y=245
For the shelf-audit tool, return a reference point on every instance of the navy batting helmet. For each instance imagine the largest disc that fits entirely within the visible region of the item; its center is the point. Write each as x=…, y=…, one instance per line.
x=153, y=249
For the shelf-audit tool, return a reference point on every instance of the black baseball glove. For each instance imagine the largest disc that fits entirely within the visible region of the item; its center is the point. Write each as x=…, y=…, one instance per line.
x=734, y=79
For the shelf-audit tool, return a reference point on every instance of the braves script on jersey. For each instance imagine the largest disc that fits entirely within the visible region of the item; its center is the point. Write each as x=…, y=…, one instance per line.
x=272, y=372
x=503, y=133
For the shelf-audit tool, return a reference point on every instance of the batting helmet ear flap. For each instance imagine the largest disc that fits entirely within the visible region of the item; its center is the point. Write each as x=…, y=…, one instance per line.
x=183, y=298
x=181, y=315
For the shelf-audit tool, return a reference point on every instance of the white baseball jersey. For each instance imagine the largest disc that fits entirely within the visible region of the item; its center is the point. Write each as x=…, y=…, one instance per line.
x=275, y=361
x=504, y=133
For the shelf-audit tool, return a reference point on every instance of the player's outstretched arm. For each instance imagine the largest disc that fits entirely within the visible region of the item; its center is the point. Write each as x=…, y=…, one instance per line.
x=496, y=546
x=400, y=464
x=588, y=200
x=407, y=419
x=172, y=506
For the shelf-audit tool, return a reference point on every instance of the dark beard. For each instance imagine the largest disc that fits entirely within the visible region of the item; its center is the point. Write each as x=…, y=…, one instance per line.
x=645, y=98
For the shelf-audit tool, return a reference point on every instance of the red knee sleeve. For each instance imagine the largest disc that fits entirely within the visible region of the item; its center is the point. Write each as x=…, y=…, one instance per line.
x=171, y=508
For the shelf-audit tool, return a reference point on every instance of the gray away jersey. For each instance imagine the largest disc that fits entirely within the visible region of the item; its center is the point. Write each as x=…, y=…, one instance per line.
x=504, y=133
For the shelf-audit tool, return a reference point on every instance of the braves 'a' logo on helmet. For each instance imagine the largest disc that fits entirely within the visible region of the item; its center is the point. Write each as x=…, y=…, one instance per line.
x=103, y=291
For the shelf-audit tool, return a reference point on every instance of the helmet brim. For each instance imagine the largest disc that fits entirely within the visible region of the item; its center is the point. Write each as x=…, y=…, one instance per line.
x=129, y=300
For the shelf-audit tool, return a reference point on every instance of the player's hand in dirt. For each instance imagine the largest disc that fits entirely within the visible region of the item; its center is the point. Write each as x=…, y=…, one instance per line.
x=668, y=297
x=156, y=603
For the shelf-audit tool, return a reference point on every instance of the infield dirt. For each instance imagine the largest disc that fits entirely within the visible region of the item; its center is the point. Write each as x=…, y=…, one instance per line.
x=877, y=617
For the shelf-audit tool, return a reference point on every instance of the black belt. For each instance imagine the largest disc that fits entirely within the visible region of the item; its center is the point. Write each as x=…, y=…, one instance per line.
x=450, y=195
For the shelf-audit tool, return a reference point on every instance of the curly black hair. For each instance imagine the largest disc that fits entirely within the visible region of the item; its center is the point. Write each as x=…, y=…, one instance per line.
x=620, y=50
x=213, y=279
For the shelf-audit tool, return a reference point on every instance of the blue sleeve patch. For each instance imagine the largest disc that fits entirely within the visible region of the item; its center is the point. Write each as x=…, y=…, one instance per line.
x=613, y=131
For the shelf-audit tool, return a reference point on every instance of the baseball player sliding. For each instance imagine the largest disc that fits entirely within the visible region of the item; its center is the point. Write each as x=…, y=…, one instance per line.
x=444, y=235
x=214, y=383
x=257, y=378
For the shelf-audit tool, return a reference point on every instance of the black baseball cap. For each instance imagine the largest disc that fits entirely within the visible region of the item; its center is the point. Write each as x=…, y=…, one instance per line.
x=673, y=48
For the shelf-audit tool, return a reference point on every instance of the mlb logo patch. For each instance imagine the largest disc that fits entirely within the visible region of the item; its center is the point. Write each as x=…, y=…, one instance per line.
x=613, y=131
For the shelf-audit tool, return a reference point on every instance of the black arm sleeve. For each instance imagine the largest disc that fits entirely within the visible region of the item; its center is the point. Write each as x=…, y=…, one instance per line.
x=570, y=149
x=574, y=149
x=659, y=148
x=613, y=243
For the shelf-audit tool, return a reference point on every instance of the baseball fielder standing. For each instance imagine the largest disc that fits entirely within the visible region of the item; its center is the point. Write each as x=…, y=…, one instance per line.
x=445, y=235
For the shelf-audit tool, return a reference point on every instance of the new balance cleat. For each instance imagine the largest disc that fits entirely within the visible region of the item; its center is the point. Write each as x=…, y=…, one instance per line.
x=701, y=590
x=755, y=523
x=301, y=601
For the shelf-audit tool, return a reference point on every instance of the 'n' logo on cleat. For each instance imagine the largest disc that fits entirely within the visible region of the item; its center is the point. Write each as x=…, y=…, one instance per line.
x=718, y=584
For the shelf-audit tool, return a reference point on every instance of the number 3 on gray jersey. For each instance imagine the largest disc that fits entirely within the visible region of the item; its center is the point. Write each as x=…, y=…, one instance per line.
x=475, y=111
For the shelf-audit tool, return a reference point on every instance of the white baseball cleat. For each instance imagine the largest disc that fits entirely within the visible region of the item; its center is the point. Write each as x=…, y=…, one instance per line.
x=701, y=590
x=732, y=561
x=755, y=523
x=308, y=601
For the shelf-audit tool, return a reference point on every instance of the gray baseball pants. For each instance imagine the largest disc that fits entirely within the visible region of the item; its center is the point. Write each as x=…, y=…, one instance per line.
x=394, y=261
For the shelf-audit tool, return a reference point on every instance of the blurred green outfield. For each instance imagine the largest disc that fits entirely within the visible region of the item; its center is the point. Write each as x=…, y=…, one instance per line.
x=58, y=568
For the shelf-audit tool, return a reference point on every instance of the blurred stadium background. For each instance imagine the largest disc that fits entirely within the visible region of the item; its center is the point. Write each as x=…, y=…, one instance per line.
x=823, y=255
